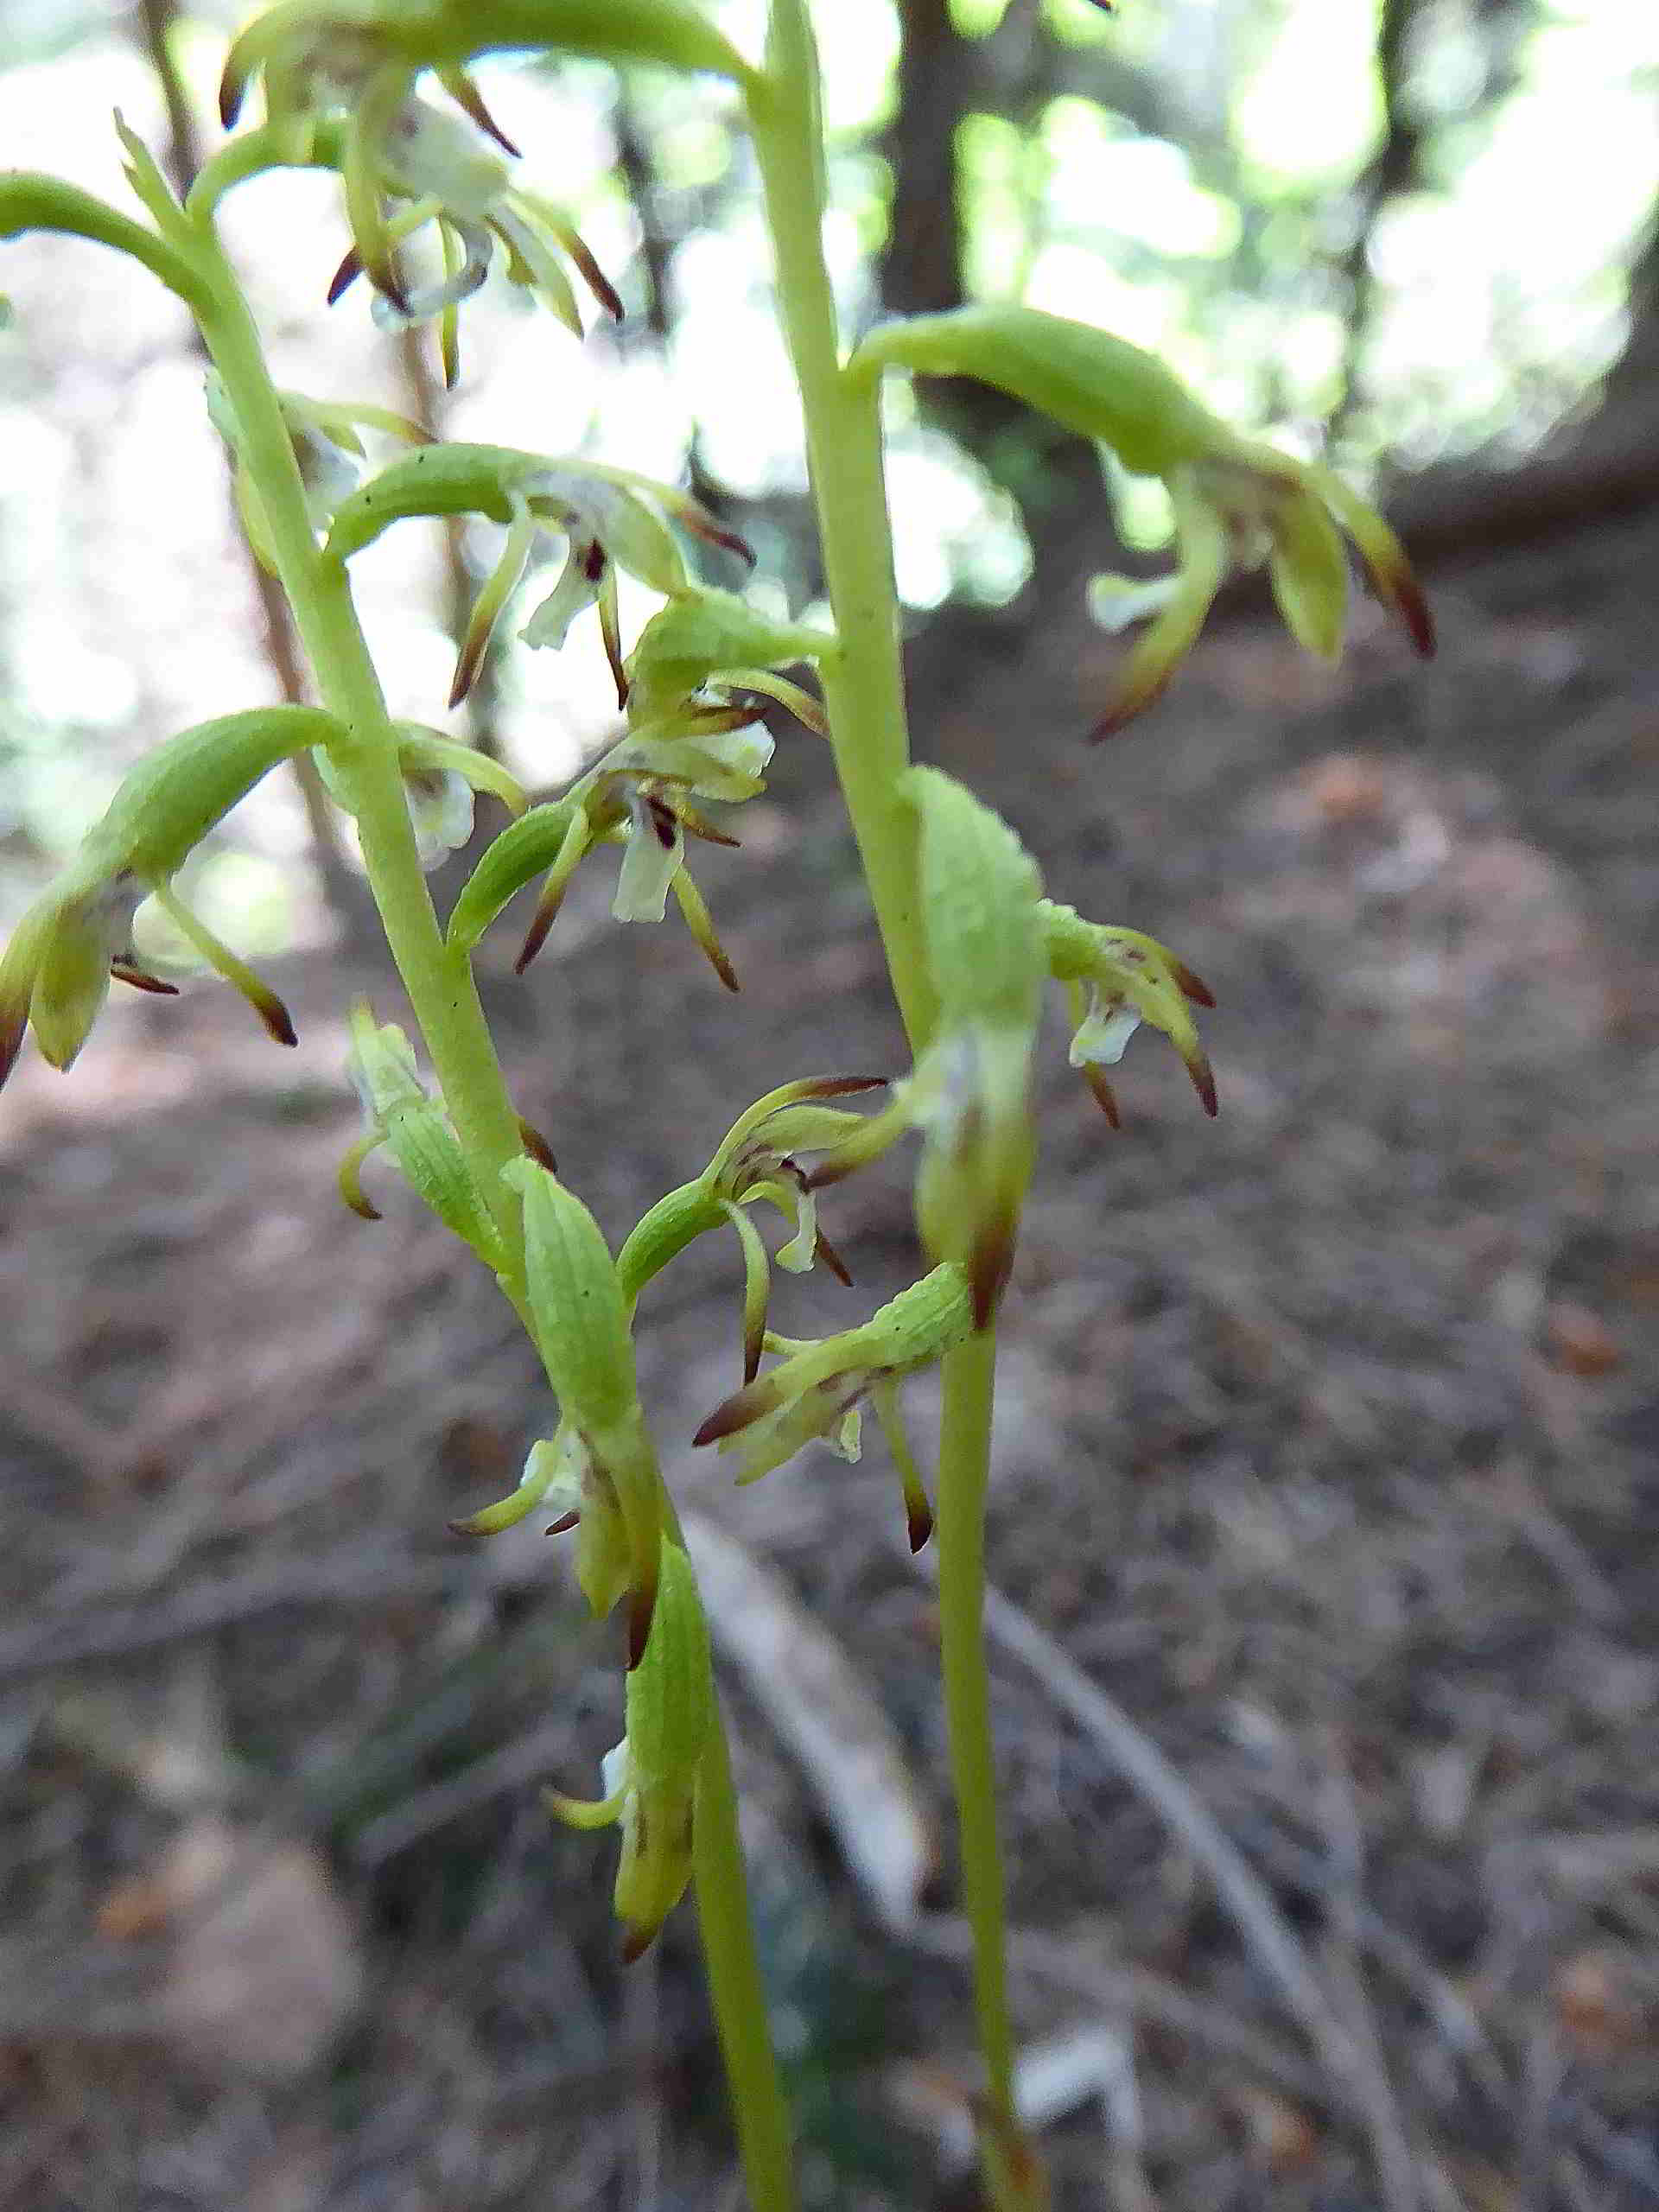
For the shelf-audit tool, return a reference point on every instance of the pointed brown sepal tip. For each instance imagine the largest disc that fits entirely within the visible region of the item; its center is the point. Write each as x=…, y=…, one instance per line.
x=535, y=936
x=467, y=96
x=1192, y=987
x=1204, y=1083
x=919, y=1523
x=725, y=1420
x=642, y=1604
x=843, y=1086
x=1105, y=1096
x=142, y=980
x=346, y=275
x=824, y=1251
x=562, y=1526
x=232, y=89
x=635, y=1943
x=537, y=1146
x=277, y=1020
x=989, y=1264
x=365, y=1211
x=468, y=1527
x=1416, y=613
x=11, y=1044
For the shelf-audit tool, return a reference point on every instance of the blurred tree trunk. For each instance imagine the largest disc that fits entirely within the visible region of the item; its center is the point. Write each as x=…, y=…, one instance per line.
x=940, y=81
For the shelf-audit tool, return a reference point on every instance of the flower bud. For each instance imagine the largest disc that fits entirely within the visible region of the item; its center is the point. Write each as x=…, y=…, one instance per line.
x=971, y=1092
x=582, y=1324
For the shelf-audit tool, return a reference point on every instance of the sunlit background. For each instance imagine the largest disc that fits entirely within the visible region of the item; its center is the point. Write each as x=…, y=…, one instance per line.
x=1206, y=177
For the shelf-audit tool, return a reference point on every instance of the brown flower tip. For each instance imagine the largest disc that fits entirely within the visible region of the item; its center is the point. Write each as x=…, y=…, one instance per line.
x=1132, y=700
x=12, y=1027
x=125, y=971
x=824, y=1251
x=703, y=524
x=737, y=1412
x=537, y=1146
x=1105, y=1096
x=990, y=1264
x=843, y=1086
x=1411, y=605
x=547, y=913
x=642, y=1604
x=232, y=90
x=1204, y=1083
x=1192, y=987
x=918, y=1521
x=346, y=275
x=467, y=96
x=636, y=1942
x=562, y=1526
x=594, y=276
x=279, y=1023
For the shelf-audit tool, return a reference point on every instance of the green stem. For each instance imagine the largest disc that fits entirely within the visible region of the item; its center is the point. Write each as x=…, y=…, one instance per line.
x=439, y=981
x=735, y=1985
x=863, y=683
x=965, y=1473
x=864, y=691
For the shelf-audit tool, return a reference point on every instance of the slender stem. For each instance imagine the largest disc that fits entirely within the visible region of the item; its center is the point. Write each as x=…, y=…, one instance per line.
x=965, y=1473
x=863, y=683
x=735, y=1985
x=864, y=691
x=438, y=980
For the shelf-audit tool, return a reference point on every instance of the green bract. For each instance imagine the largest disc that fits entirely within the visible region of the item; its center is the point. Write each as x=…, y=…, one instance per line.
x=971, y=1092
x=582, y=1324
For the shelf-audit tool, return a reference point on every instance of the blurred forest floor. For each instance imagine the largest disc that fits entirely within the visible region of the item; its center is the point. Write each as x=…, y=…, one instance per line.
x=1330, y=1453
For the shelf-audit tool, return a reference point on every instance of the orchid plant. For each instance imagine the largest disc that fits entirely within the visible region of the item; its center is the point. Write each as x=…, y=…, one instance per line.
x=429, y=200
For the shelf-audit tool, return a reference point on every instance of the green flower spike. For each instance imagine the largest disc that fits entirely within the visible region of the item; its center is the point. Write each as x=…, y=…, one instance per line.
x=1117, y=979
x=650, y=1778
x=816, y=1392
x=580, y=1319
x=757, y=1159
x=1236, y=502
x=610, y=518
x=970, y=1094
x=55, y=972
